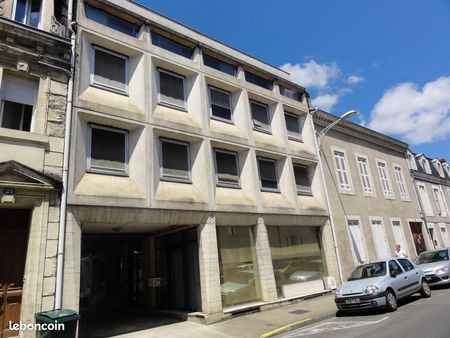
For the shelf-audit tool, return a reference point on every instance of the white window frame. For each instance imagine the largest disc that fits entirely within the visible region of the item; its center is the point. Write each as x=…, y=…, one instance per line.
x=342, y=188
x=388, y=194
x=401, y=181
x=231, y=120
x=371, y=191
x=102, y=170
x=266, y=159
x=222, y=184
x=162, y=177
x=308, y=174
x=298, y=137
x=257, y=128
x=363, y=239
x=102, y=85
x=27, y=16
x=430, y=211
x=158, y=84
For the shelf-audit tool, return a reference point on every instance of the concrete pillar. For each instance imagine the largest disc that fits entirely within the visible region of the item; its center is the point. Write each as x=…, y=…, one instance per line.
x=208, y=256
x=264, y=262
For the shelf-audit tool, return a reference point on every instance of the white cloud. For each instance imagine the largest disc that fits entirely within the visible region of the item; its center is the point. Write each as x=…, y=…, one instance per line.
x=418, y=115
x=311, y=73
x=325, y=101
x=354, y=79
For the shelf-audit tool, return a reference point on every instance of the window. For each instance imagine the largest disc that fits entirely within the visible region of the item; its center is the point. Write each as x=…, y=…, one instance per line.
x=341, y=168
x=293, y=126
x=384, y=179
x=260, y=116
x=302, y=179
x=175, y=161
x=107, y=150
x=258, y=80
x=268, y=174
x=426, y=204
x=111, y=21
x=110, y=70
x=28, y=12
x=357, y=240
x=412, y=161
x=171, y=45
x=219, y=65
x=406, y=265
x=171, y=89
x=401, y=182
x=227, y=172
x=17, y=101
x=425, y=165
x=291, y=93
x=220, y=104
x=363, y=169
x=394, y=267
x=439, y=202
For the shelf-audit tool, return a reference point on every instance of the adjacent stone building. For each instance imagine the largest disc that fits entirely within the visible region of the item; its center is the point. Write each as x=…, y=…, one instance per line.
x=372, y=196
x=193, y=182
x=34, y=72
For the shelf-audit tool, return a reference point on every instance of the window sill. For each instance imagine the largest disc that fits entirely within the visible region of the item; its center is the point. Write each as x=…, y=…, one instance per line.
x=107, y=172
x=304, y=193
x=176, y=180
x=295, y=139
x=271, y=190
x=23, y=136
x=261, y=130
x=221, y=120
x=173, y=106
x=231, y=186
x=110, y=89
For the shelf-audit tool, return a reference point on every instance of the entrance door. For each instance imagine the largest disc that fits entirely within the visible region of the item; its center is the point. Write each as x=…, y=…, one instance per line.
x=14, y=225
x=416, y=231
x=398, y=234
x=379, y=238
x=357, y=240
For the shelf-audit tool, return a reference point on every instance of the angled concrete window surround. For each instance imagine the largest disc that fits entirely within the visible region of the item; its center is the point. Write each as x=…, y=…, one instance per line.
x=172, y=45
x=260, y=116
x=28, y=12
x=268, y=174
x=220, y=101
x=17, y=102
x=293, y=126
x=222, y=66
x=107, y=151
x=227, y=168
x=175, y=162
x=171, y=89
x=111, y=21
x=302, y=179
x=110, y=70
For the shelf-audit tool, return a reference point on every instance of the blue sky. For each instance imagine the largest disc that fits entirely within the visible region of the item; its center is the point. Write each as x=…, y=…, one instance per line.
x=390, y=60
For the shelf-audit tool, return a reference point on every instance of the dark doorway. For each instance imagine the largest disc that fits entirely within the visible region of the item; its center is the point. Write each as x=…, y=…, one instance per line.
x=177, y=266
x=416, y=230
x=14, y=225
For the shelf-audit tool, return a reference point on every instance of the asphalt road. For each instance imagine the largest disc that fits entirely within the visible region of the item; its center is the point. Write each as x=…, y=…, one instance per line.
x=416, y=317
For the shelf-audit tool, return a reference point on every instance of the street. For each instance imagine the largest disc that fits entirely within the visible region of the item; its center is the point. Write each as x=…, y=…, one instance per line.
x=416, y=317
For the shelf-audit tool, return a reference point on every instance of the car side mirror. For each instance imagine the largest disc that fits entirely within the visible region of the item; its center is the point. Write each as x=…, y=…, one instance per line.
x=393, y=274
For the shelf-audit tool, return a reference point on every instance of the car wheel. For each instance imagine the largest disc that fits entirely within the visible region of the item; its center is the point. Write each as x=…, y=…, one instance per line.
x=391, y=300
x=425, y=289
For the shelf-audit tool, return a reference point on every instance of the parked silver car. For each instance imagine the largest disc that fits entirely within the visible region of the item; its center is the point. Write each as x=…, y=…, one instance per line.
x=435, y=265
x=381, y=284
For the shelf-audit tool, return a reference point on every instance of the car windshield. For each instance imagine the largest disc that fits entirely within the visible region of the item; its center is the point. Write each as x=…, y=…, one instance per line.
x=370, y=270
x=432, y=256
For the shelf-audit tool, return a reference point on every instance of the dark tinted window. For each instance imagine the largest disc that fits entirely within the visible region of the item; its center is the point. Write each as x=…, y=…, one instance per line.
x=291, y=93
x=268, y=174
x=258, y=80
x=219, y=65
x=406, y=265
x=111, y=21
x=227, y=169
x=171, y=88
x=220, y=103
x=260, y=115
x=302, y=179
x=393, y=266
x=108, y=149
x=110, y=69
x=175, y=160
x=293, y=125
x=171, y=45
x=16, y=116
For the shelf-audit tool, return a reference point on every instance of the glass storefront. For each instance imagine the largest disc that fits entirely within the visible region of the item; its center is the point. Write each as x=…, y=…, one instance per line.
x=237, y=260
x=296, y=255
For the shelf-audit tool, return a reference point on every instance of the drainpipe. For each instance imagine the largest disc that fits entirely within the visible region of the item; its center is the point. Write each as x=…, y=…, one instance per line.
x=63, y=210
x=327, y=198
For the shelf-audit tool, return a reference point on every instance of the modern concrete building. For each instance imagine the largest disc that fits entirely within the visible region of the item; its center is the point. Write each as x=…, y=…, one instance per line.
x=372, y=197
x=432, y=182
x=34, y=73
x=193, y=175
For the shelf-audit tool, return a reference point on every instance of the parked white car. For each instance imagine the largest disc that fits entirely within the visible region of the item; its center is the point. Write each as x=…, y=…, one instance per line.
x=435, y=265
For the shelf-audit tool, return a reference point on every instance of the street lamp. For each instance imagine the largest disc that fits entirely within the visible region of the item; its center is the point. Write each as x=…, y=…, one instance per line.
x=318, y=141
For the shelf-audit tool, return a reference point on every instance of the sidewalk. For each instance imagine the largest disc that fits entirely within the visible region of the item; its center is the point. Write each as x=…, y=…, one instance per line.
x=262, y=324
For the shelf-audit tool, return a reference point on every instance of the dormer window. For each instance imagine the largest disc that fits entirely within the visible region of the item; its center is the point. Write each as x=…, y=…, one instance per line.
x=28, y=12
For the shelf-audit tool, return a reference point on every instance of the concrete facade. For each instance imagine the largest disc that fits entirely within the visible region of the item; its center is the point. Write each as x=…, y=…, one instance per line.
x=34, y=71
x=139, y=202
x=360, y=202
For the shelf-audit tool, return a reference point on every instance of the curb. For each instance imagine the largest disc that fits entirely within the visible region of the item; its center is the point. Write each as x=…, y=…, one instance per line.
x=296, y=325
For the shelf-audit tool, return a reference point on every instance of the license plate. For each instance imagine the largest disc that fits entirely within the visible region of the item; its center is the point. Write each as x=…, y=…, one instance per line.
x=352, y=301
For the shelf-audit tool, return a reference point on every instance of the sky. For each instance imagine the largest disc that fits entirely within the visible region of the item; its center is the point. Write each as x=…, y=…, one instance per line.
x=389, y=60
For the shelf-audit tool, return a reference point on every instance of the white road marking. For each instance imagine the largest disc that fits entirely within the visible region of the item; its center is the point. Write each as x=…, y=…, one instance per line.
x=332, y=326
